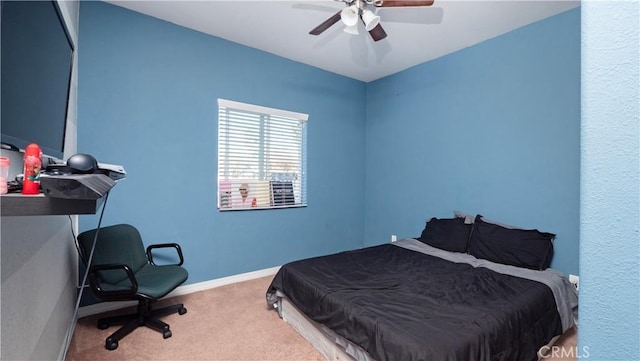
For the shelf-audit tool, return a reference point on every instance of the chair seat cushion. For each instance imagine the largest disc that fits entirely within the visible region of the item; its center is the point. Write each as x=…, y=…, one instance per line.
x=157, y=281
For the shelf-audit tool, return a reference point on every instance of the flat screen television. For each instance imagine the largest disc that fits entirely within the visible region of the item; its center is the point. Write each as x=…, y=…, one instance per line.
x=37, y=60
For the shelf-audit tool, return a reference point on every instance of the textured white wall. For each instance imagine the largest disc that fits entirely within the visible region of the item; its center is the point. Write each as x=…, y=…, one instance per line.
x=610, y=218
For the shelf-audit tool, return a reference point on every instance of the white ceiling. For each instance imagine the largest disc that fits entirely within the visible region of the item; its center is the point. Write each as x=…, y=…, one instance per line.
x=415, y=34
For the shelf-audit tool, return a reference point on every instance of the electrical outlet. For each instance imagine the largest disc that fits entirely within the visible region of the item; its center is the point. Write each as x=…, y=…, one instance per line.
x=393, y=238
x=575, y=280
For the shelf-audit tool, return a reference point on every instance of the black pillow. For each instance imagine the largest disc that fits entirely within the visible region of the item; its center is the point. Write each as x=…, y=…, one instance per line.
x=516, y=247
x=450, y=234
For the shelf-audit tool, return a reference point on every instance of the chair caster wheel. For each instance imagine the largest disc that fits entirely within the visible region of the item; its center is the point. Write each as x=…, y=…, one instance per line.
x=111, y=345
x=166, y=334
x=103, y=326
x=182, y=311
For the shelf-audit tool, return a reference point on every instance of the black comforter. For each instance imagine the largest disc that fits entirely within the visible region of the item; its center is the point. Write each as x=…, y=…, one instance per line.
x=399, y=304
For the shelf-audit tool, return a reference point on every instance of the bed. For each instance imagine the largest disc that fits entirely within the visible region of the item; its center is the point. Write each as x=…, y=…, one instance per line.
x=435, y=297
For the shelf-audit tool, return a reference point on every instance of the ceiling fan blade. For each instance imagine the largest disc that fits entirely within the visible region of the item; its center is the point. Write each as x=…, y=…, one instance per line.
x=397, y=3
x=378, y=33
x=326, y=24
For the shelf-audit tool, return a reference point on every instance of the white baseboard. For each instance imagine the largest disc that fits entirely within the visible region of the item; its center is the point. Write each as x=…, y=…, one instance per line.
x=182, y=290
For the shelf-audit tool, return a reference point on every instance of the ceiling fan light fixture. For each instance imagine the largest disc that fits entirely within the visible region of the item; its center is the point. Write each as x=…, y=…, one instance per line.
x=349, y=15
x=353, y=29
x=370, y=19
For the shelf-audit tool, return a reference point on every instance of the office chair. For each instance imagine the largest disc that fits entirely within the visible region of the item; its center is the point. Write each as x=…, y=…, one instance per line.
x=121, y=270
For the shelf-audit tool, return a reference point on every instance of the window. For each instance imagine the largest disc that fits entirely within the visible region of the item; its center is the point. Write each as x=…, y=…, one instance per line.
x=261, y=157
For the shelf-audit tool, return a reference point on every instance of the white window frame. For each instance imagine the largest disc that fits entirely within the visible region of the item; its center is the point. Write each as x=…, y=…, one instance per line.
x=265, y=180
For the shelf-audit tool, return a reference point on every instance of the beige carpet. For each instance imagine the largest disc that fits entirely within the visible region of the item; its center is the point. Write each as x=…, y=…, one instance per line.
x=225, y=323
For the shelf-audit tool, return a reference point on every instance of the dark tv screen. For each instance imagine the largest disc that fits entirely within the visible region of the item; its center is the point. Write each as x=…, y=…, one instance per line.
x=37, y=58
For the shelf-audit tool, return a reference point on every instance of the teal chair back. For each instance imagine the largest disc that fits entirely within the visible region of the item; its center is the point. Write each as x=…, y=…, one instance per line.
x=118, y=244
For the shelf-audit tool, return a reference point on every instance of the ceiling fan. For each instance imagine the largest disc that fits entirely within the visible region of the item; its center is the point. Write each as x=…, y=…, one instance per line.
x=358, y=10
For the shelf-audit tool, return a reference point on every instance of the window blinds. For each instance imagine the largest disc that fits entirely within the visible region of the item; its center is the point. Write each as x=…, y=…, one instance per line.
x=261, y=157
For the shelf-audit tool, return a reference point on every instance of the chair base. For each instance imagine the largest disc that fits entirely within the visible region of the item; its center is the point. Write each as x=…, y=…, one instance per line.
x=144, y=317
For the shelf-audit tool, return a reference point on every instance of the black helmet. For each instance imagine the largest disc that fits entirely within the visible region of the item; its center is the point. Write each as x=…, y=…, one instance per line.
x=81, y=163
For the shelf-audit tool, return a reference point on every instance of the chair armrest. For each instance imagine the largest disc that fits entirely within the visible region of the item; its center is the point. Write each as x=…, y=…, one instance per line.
x=94, y=275
x=165, y=245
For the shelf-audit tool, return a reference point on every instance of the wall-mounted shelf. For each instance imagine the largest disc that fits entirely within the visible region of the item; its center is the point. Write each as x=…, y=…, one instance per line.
x=63, y=194
x=16, y=204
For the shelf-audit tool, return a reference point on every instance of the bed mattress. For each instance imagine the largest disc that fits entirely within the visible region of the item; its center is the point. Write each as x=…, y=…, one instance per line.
x=410, y=301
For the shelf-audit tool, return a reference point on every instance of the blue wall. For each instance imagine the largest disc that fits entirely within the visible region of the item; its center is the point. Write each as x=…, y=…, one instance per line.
x=492, y=129
x=147, y=100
